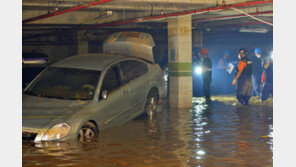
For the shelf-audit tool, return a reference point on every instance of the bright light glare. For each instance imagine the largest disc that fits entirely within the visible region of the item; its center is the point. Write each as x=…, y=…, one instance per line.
x=165, y=77
x=201, y=152
x=198, y=70
x=271, y=54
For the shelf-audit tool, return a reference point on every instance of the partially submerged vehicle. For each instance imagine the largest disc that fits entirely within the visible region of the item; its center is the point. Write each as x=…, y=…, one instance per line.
x=81, y=95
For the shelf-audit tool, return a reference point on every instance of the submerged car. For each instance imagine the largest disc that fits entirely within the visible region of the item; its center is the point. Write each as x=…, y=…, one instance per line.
x=81, y=95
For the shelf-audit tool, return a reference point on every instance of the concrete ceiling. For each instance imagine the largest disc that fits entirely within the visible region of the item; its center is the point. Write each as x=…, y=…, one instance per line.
x=119, y=11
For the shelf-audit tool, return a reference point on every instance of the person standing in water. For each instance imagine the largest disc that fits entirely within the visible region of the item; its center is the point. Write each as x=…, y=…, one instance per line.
x=243, y=78
x=206, y=74
x=267, y=79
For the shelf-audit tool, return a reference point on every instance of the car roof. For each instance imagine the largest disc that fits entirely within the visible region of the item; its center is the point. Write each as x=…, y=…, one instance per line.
x=90, y=61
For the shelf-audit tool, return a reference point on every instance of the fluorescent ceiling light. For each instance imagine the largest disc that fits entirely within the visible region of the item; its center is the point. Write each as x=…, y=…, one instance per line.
x=254, y=30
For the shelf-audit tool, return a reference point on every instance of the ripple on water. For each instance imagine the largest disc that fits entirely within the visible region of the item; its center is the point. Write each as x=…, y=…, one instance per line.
x=222, y=133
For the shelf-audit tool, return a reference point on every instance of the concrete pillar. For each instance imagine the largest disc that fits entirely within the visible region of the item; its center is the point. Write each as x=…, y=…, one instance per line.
x=180, y=65
x=82, y=42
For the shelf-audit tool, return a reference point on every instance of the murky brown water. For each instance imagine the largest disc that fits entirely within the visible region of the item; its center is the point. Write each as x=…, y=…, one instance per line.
x=221, y=134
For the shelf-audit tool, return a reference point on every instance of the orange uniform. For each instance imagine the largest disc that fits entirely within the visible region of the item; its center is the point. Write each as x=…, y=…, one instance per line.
x=241, y=65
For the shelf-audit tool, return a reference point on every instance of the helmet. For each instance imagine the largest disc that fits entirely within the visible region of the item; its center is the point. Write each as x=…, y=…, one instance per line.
x=244, y=50
x=257, y=50
x=204, y=51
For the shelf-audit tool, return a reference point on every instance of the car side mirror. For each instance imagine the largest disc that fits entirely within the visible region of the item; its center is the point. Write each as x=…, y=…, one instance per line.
x=104, y=94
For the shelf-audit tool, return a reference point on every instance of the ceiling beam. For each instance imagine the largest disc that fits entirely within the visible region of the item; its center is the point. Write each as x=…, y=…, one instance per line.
x=231, y=16
x=161, y=17
x=94, y=17
x=65, y=11
x=193, y=12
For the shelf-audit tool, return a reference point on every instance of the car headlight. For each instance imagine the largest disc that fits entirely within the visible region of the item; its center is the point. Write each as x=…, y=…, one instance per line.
x=56, y=132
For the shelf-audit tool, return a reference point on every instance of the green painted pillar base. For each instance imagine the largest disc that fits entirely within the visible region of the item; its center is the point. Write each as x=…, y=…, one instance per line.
x=180, y=85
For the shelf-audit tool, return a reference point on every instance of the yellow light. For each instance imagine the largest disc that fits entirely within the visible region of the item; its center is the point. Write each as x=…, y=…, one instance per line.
x=57, y=132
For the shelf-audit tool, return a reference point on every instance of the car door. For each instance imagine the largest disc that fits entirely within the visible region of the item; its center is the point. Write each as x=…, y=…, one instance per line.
x=115, y=107
x=134, y=76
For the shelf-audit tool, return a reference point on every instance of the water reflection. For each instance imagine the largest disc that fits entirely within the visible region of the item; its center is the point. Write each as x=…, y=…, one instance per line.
x=220, y=134
x=231, y=135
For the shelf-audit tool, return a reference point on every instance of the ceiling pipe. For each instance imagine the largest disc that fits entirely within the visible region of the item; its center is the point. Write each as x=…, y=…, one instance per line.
x=231, y=16
x=165, y=16
x=127, y=7
x=181, y=13
x=66, y=11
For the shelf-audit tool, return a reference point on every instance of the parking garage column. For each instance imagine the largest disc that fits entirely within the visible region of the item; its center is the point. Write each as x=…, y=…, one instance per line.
x=180, y=66
x=82, y=42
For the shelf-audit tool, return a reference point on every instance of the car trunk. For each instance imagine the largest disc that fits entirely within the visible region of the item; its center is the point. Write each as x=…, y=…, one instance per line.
x=132, y=44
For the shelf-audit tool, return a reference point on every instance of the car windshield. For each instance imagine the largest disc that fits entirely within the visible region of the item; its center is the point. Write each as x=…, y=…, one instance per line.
x=65, y=83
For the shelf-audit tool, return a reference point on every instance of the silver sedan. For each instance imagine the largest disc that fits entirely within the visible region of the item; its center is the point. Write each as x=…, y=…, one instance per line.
x=81, y=95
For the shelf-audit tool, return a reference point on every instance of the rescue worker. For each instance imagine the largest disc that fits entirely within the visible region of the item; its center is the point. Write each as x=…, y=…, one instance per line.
x=223, y=62
x=267, y=79
x=225, y=78
x=256, y=72
x=206, y=73
x=243, y=78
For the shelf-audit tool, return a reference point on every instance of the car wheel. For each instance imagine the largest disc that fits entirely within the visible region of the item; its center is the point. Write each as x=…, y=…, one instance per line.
x=87, y=132
x=151, y=104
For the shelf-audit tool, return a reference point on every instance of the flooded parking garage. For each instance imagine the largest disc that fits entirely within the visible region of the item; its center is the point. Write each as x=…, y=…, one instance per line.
x=222, y=133
x=91, y=68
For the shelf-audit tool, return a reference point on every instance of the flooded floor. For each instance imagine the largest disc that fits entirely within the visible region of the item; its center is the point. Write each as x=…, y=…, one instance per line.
x=223, y=133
